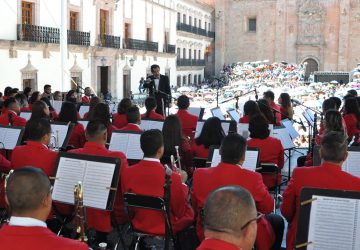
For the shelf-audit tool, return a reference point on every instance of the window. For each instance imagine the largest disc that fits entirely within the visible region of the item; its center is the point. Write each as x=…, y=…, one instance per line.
x=205, y=25
x=104, y=16
x=184, y=18
x=178, y=53
x=184, y=80
x=195, y=79
x=190, y=54
x=148, y=34
x=199, y=78
x=209, y=27
x=184, y=53
x=194, y=54
x=195, y=22
x=199, y=23
x=127, y=31
x=74, y=20
x=27, y=13
x=178, y=81
x=190, y=20
x=178, y=17
x=252, y=24
x=189, y=79
x=199, y=54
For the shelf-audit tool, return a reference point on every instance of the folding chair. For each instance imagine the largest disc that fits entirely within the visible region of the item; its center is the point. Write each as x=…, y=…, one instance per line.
x=153, y=203
x=271, y=169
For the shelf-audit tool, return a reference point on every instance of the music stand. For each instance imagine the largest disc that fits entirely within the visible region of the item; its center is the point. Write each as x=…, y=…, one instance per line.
x=26, y=115
x=64, y=132
x=224, y=124
x=234, y=115
x=83, y=109
x=127, y=142
x=99, y=175
x=10, y=137
x=199, y=112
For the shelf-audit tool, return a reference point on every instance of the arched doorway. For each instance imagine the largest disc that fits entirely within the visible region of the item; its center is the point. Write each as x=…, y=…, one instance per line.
x=311, y=67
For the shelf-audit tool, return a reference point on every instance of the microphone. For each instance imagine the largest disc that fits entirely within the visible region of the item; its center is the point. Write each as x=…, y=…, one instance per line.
x=295, y=101
x=302, y=125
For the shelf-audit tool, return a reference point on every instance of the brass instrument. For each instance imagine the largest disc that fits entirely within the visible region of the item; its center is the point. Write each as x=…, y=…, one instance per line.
x=80, y=211
x=55, y=146
x=178, y=156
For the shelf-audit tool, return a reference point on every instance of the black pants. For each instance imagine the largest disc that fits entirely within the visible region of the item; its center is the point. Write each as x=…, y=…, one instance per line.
x=277, y=223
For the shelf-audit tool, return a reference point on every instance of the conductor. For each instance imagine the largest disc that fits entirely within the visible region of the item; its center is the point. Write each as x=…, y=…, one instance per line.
x=159, y=87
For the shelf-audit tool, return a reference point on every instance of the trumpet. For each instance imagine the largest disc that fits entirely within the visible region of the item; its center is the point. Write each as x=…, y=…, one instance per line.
x=178, y=156
x=55, y=146
x=80, y=211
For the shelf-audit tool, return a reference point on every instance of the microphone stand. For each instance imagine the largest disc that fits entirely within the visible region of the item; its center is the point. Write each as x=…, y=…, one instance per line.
x=237, y=98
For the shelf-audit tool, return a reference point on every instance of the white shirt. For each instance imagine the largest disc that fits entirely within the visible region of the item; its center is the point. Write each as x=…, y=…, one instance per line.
x=26, y=222
x=156, y=81
x=151, y=159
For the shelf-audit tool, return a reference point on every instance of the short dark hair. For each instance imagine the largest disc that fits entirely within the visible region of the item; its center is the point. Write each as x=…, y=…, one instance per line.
x=269, y=94
x=352, y=92
x=37, y=128
x=133, y=114
x=68, y=113
x=101, y=112
x=228, y=208
x=26, y=189
x=37, y=111
x=151, y=141
x=154, y=66
x=232, y=148
x=95, y=127
x=34, y=96
x=251, y=108
x=258, y=127
x=27, y=90
x=337, y=101
x=328, y=104
x=9, y=101
x=123, y=105
x=47, y=86
x=333, y=146
x=183, y=102
x=150, y=104
x=7, y=91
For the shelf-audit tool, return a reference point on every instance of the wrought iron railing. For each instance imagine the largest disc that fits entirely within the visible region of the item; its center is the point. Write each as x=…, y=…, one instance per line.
x=190, y=62
x=78, y=37
x=109, y=41
x=140, y=45
x=194, y=30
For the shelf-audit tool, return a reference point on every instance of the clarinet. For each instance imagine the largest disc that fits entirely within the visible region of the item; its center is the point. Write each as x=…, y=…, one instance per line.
x=10, y=117
x=80, y=211
x=178, y=156
x=315, y=132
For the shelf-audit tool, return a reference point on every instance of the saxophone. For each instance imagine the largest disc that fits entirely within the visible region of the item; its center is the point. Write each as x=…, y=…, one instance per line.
x=80, y=211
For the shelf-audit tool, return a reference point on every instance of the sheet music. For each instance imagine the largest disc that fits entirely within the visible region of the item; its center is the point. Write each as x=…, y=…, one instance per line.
x=62, y=133
x=225, y=126
x=216, y=112
x=283, y=135
x=251, y=157
x=352, y=163
x=216, y=158
x=334, y=224
x=290, y=128
x=25, y=115
x=95, y=176
x=243, y=130
x=149, y=124
x=127, y=143
x=234, y=115
x=9, y=137
x=83, y=109
x=57, y=105
x=311, y=115
x=84, y=123
x=194, y=111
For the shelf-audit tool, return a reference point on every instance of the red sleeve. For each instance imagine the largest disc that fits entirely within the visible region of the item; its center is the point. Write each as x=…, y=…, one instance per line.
x=263, y=199
x=178, y=203
x=281, y=156
x=5, y=165
x=187, y=157
x=288, y=206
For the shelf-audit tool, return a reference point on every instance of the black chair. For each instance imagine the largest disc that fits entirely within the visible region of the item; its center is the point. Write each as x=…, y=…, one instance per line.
x=271, y=169
x=132, y=200
x=199, y=162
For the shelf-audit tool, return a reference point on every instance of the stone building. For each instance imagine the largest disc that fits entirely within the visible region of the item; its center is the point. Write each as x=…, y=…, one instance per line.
x=323, y=33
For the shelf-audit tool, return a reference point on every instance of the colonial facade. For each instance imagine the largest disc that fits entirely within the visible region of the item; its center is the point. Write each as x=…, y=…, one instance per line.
x=111, y=43
x=323, y=33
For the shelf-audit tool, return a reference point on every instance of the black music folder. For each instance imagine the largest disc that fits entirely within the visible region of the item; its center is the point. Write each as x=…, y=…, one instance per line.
x=61, y=131
x=10, y=137
x=128, y=143
x=328, y=219
x=224, y=124
x=199, y=112
x=99, y=175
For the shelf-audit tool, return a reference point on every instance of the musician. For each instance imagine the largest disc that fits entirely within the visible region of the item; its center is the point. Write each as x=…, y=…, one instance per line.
x=87, y=96
x=251, y=108
x=230, y=172
x=352, y=119
x=93, y=102
x=333, y=153
x=10, y=115
x=53, y=115
x=159, y=87
x=36, y=153
x=133, y=118
x=286, y=109
x=187, y=120
x=211, y=134
x=47, y=92
x=102, y=112
x=229, y=220
x=96, y=135
x=266, y=111
x=148, y=178
x=119, y=118
x=28, y=194
x=35, y=96
x=270, y=97
x=23, y=102
x=150, y=105
x=271, y=149
x=58, y=96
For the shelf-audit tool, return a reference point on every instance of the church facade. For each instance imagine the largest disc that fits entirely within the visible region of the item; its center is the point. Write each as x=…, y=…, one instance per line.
x=323, y=33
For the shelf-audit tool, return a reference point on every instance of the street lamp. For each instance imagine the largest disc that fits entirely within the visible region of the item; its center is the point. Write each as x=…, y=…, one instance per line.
x=131, y=61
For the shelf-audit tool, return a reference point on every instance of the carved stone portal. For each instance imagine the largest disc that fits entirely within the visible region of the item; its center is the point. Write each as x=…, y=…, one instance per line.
x=311, y=16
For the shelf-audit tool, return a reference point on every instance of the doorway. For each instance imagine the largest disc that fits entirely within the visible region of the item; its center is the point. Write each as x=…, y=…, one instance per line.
x=126, y=85
x=311, y=67
x=104, y=79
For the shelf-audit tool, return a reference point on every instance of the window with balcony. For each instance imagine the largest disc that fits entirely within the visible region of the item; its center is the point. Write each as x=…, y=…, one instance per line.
x=195, y=22
x=74, y=20
x=194, y=54
x=184, y=53
x=199, y=23
x=26, y=13
x=127, y=31
x=184, y=18
x=199, y=53
x=195, y=79
x=104, y=22
x=209, y=27
x=178, y=17
x=190, y=20
x=189, y=53
x=178, y=53
x=205, y=25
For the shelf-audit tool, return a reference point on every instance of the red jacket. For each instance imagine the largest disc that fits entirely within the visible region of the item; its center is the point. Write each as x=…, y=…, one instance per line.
x=327, y=175
x=205, y=180
x=85, y=99
x=351, y=126
x=110, y=129
x=5, y=167
x=34, y=154
x=153, y=115
x=119, y=120
x=17, y=120
x=96, y=218
x=148, y=178
x=244, y=119
x=200, y=150
x=77, y=138
x=35, y=238
x=215, y=244
x=131, y=127
x=25, y=109
x=277, y=115
x=188, y=122
x=271, y=151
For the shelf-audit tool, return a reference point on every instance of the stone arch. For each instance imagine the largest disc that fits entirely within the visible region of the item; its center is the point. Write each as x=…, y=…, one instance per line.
x=311, y=66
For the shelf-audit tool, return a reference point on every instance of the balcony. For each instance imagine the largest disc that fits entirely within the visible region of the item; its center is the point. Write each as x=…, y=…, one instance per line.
x=140, y=45
x=189, y=62
x=195, y=30
x=169, y=48
x=78, y=37
x=109, y=41
x=40, y=34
